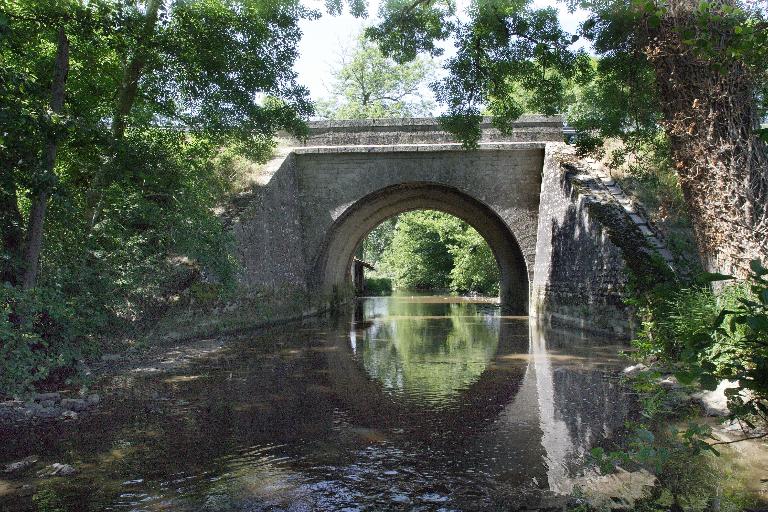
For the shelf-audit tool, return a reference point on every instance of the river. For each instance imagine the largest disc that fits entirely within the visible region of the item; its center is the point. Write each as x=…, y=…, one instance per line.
x=405, y=403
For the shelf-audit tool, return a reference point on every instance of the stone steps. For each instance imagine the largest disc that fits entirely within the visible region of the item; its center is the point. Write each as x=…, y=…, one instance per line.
x=598, y=178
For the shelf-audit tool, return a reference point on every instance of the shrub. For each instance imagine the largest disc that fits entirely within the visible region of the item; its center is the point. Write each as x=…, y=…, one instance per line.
x=378, y=285
x=42, y=336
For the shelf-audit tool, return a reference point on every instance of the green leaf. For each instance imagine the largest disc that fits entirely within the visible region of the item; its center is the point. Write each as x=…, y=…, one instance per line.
x=709, y=381
x=686, y=378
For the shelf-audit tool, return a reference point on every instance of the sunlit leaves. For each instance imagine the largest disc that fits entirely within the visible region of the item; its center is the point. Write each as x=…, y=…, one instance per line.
x=437, y=251
x=370, y=85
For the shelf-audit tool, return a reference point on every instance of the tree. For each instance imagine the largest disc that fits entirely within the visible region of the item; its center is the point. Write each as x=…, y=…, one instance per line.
x=117, y=118
x=433, y=250
x=375, y=244
x=197, y=66
x=418, y=257
x=369, y=85
x=474, y=266
x=706, y=65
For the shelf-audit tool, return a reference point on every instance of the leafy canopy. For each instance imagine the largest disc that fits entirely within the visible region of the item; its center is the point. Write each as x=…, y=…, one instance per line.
x=161, y=98
x=370, y=85
x=434, y=250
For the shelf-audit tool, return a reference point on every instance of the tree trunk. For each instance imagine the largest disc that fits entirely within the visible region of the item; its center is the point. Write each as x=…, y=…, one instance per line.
x=129, y=86
x=40, y=200
x=126, y=97
x=710, y=116
x=12, y=232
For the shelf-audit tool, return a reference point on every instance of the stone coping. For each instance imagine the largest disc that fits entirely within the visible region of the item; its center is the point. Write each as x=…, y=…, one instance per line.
x=410, y=148
x=419, y=123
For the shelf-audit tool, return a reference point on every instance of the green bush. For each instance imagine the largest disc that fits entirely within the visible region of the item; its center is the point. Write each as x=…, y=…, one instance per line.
x=43, y=334
x=705, y=338
x=378, y=286
x=474, y=266
x=156, y=234
x=433, y=250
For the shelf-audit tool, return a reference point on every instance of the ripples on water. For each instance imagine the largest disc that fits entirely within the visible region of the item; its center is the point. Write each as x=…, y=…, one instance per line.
x=425, y=403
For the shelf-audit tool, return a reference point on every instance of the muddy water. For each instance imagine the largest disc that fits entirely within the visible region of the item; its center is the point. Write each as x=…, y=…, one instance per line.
x=406, y=403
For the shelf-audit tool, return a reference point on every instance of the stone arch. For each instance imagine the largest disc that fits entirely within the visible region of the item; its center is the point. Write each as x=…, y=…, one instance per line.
x=331, y=269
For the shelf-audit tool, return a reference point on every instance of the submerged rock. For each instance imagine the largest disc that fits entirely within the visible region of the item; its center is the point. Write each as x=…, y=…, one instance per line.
x=634, y=370
x=619, y=490
x=43, y=397
x=74, y=404
x=57, y=469
x=715, y=403
x=47, y=412
x=20, y=465
x=670, y=383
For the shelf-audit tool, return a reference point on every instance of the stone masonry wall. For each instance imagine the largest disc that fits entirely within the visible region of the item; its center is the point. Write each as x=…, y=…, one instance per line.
x=590, y=240
x=506, y=180
x=425, y=131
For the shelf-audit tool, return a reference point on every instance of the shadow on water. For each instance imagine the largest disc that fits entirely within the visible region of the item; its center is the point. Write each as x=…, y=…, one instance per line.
x=405, y=403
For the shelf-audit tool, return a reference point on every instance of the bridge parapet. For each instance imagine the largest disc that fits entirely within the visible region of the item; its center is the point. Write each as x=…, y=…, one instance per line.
x=378, y=132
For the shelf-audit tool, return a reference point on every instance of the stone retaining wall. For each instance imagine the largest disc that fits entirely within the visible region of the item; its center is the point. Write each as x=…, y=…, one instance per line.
x=591, y=239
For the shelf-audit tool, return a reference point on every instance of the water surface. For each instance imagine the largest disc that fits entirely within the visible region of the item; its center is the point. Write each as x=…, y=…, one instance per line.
x=406, y=403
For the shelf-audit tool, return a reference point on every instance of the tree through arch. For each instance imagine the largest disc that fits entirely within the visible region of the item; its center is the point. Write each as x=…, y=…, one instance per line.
x=331, y=270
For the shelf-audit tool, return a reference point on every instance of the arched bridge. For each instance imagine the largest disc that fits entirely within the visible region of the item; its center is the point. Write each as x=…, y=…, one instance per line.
x=298, y=228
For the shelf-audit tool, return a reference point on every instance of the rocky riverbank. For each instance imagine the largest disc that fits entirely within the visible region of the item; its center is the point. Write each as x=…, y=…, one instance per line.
x=47, y=407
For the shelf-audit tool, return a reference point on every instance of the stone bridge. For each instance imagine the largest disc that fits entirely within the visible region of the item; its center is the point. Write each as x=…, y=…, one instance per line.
x=560, y=229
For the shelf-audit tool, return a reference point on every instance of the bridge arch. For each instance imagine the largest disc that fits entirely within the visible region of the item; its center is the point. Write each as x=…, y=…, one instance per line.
x=332, y=267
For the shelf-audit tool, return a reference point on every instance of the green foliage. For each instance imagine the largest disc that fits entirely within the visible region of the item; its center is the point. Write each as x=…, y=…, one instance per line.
x=616, y=99
x=514, y=57
x=501, y=48
x=705, y=338
x=378, y=286
x=418, y=257
x=47, y=500
x=474, y=265
x=437, y=251
x=160, y=113
x=702, y=338
x=44, y=333
x=370, y=85
x=738, y=350
x=374, y=245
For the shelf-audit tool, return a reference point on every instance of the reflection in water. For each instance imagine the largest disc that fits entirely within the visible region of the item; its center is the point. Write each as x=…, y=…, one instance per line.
x=426, y=403
x=427, y=351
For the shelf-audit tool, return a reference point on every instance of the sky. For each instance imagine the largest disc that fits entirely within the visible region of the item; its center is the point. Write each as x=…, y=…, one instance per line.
x=323, y=39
